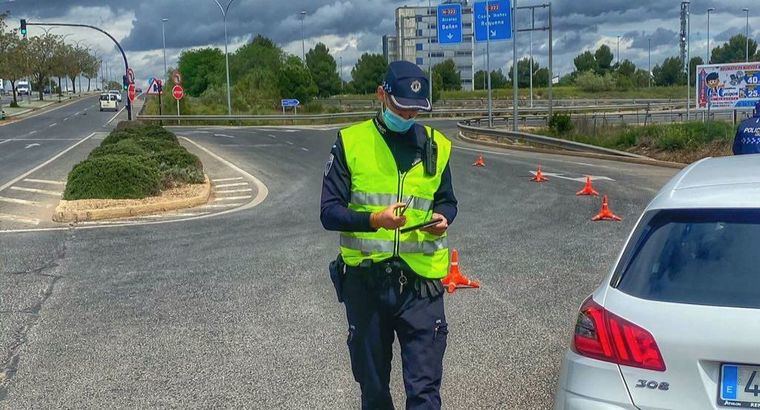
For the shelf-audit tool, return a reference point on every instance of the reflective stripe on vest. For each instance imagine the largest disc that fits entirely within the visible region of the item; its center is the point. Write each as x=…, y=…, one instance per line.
x=376, y=184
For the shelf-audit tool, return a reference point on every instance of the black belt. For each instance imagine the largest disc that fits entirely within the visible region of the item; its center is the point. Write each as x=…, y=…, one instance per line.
x=391, y=273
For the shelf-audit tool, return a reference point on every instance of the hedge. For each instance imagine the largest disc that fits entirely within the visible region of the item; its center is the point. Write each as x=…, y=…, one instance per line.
x=113, y=177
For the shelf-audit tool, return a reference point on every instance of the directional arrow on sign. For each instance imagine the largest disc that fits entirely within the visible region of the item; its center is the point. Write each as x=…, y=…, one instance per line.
x=450, y=36
x=579, y=179
x=493, y=33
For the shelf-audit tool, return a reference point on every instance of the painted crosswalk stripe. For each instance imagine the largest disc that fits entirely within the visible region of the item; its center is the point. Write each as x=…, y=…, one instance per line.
x=21, y=219
x=215, y=206
x=227, y=179
x=234, y=191
x=18, y=201
x=44, y=181
x=36, y=191
x=232, y=185
x=233, y=198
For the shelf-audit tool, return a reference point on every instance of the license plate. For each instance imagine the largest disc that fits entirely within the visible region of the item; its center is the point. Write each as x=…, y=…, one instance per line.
x=739, y=386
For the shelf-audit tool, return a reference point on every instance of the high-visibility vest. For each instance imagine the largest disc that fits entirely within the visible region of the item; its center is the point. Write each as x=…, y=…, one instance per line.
x=376, y=183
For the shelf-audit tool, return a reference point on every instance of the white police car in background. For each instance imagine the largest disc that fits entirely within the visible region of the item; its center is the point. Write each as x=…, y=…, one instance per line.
x=117, y=93
x=676, y=323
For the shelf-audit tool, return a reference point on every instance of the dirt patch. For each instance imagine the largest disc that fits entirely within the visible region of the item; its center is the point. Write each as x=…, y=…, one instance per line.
x=686, y=156
x=186, y=196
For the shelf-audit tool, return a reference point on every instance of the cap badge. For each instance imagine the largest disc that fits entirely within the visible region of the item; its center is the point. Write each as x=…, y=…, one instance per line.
x=416, y=86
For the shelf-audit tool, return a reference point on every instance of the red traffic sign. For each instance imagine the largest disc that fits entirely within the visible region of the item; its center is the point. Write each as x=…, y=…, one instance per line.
x=178, y=92
x=131, y=75
x=177, y=77
x=131, y=92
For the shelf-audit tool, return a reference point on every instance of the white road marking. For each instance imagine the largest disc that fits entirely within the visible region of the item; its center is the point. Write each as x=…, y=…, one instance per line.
x=227, y=179
x=289, y=142
x=36, y=191
x=290, y=130
x=66, y=119
x=18, y=201
x=115, y=115
x=231, y=185
x=223, y=135
x=38, y=167
x=178, y=215
x=273, y=136
x=233, y=198
x=4, y=141
x=32, y=145
x=579, y=179
x=53, y=124
x=217, y=206
x=32, y=132
x=44, y=181
x=305, y=149
x=14, y=218
x=234, y=191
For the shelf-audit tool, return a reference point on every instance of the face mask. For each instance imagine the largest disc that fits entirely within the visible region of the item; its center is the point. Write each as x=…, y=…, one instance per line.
x=396, y=123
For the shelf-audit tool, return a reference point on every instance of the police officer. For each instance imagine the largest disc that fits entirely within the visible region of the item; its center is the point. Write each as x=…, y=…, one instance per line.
x=747, y=140
x=389, y=280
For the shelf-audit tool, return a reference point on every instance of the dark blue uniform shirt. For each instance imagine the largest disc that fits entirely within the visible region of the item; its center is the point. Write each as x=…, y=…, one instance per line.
x=336, y=186
x=747, y=140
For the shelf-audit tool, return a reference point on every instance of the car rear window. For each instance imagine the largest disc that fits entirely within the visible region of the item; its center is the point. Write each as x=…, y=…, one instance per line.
x=104, y=98
x=703, y=257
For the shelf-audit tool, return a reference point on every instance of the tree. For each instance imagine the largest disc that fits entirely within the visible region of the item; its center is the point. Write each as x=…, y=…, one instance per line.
x=541, y=77
x=90, y=69
x=368, y=73
x=626, y=69
x=641, y=78
x=603, y=57
x=201, y=69
x=498, y=80
x=323, y=70
x=693, y=63
x=585, y=62
x=734, y=51
x=14, y=64
x=41, y=57
x=523, y=72
x=261, y=53
x=450, y=77
x=295, y=81
x=669, y=73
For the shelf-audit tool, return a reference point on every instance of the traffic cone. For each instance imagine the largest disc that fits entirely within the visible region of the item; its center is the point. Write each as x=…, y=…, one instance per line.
x=539, y=177
x=480, y=161
x=455, y=280
x=605, y=214
x=588, y=189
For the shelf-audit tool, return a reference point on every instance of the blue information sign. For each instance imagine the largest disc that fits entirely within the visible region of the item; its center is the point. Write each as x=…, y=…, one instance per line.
x=449, y=24
x=496, y=22
x=290, y=102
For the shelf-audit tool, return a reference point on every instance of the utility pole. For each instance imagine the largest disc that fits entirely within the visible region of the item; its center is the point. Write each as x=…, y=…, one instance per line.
x=303, y=41
x=618, y=51
x=532, y=27
x=430, y=60
x=163, y=34
x=650, y=62
x=515, y=86
x=226, y=54
x=710, y=10
x=488, y=65
x=746, y=52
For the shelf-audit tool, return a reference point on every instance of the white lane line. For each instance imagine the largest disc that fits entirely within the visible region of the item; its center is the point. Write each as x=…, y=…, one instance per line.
x=273, y=136
x=227, y=179
x=233, y=198
x=36, y=191
x=38, y=167
x=14, y=218
x=291, y=130
x=66, y=119
x=32, y=145
x=19, y=201
x=4, y=141
x=508, y=154
x=578, y=179
x=289, y=142
x=32, y=132
x=223, y=135
x=234, y=191
x=217, y=206
x=305, y=149
x=179, y=215
x=232, y=185
x=115, y=115
x=53, y=124
x=44, y=181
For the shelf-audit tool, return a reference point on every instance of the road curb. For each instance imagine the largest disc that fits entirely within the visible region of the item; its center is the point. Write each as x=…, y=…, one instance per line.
x=63, y=215
x=652, y=162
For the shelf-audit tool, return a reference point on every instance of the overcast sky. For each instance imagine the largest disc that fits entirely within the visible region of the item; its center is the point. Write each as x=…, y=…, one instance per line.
x=352, y=27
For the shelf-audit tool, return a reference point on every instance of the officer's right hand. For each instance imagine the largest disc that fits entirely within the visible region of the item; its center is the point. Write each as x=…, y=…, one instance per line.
x=387, y=218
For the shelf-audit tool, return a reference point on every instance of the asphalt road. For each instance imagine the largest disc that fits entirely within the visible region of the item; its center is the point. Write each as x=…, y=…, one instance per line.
x=237, y=310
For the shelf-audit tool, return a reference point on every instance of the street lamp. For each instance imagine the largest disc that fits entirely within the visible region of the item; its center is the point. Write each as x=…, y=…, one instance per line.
x=746, y=58
x=618, y=51
x=710, y=10
x=303, y=44
x=650, y=62
x=226, y=56
x=163, y=35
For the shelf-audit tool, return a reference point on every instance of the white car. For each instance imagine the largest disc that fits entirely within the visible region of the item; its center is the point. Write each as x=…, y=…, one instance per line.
x=23, y=88
x=676, y=323
x=117, y=93
x=108, y=102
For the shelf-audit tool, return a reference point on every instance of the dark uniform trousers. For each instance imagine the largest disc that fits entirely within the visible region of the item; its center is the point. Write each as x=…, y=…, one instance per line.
x=377, y=307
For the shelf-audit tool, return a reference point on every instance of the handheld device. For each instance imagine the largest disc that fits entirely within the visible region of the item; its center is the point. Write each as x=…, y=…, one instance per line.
x=423, y=225
x=408, y=202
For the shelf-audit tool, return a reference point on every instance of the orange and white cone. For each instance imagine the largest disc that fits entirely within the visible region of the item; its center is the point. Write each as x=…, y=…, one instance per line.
x=455, y=280
x=480, y=161
x=605, y=214
x=539, y=177
x=588, y=189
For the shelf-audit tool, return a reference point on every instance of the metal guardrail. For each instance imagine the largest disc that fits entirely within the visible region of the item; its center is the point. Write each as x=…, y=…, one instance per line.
x=513, y=136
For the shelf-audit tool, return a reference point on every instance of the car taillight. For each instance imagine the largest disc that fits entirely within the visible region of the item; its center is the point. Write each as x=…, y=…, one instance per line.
x=602, y=335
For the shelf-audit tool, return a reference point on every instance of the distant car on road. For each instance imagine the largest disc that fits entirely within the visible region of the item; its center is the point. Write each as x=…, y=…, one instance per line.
x=108, y=101
x=23, y=88
x=117, y=93
x=675, y=324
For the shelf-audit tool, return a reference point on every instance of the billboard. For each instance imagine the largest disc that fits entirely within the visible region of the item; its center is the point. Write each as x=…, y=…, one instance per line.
x=726, y=87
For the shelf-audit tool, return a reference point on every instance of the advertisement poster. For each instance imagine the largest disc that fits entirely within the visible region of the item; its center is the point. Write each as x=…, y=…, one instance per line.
x=726, y=87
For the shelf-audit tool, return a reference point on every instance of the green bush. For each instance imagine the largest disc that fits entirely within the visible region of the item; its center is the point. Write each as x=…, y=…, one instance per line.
x=177, y=166
x=588, y=81
x=112, y=177
x=561, y=123
x=123, y=147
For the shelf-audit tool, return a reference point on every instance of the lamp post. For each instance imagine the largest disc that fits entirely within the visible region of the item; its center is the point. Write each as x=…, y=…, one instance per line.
x=303, y=41
x=224, y=11
x=710, y=10
x=650, y=62
x=618, y=51
x=746, y=58
x=163, y=35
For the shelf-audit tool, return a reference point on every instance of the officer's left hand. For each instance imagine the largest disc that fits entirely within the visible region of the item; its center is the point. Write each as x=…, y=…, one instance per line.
x=439, y=229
